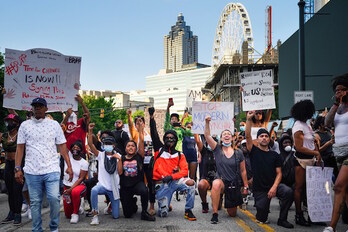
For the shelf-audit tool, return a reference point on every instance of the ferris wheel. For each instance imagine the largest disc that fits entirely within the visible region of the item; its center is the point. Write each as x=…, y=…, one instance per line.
x=233, y=28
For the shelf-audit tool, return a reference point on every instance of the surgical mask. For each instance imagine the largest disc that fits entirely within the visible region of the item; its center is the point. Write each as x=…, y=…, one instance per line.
x=288, y=148
x=242, y=128
x=76, y=152
x=227, y=144
x=108, y=148
x=73, y=118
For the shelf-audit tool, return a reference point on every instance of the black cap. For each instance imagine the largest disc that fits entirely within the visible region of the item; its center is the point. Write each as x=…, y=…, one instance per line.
x=262, y=131
x=40, y=101
x=174, y=115
x=109, y=139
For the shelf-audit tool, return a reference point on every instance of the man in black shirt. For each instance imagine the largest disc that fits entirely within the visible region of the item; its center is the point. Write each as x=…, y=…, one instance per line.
x=120, y=136
x=266, y=167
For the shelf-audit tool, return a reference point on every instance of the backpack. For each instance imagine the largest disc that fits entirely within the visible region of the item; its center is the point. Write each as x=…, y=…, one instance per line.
x=288, y=170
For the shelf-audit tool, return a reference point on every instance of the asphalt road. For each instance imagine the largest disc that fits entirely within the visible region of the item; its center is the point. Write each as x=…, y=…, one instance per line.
x=245, y=220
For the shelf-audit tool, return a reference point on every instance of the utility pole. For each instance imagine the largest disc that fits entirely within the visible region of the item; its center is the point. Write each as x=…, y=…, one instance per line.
x=301, y=46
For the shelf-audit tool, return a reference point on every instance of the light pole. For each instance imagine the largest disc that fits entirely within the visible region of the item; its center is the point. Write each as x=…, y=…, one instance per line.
x=301, y=47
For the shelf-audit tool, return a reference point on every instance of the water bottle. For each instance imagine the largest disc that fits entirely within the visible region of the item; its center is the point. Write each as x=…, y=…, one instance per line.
x=67, y=198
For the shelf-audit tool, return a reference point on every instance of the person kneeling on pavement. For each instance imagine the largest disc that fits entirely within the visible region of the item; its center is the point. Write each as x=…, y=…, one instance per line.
x=170, y=171
x=131, y=171
x=107, y=175
x=267, y=174
x=74, y=190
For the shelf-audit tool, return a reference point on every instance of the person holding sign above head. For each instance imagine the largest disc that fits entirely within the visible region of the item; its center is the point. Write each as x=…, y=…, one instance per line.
x=306, y=151
x=230, y=166
x=267, y=174
x=172, y=123
x=338, y=115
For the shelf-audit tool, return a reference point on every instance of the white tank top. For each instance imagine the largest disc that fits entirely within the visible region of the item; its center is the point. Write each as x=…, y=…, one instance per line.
x=341, y=126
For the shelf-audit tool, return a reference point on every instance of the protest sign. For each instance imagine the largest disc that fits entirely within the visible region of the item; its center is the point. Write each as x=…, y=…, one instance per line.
x=318, y=185
x=159, y=116
x=193, y=95
x=41, y=73
x=258, y=91
x=221, y=114
x=303, y=95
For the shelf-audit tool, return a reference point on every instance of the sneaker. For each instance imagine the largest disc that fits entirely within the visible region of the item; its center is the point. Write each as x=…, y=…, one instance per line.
x=328, y=229
x=189, y=215
x=214, y=219
x=147, y=217
x=24, y=207
x=285, y=224
x=205, y=207
x=29, y=214
x=107, y=209
x=74, y=218
x=95, y=220
x=17, y=219
x=89, y=214
x=260, y=222
x=81, y=210
x=9, y=218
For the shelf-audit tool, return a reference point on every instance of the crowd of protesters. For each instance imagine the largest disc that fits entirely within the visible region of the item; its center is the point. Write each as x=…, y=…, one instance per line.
x=44, y=157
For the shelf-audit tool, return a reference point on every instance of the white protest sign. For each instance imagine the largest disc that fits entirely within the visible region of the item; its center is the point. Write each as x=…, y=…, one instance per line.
x=221, y=114
x=193, y=95
x=318, y=185
x=258, y=91
x=303, y=95
x=41, y=73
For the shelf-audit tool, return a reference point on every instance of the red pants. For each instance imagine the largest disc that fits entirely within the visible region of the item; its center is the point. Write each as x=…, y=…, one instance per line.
x=76, y=194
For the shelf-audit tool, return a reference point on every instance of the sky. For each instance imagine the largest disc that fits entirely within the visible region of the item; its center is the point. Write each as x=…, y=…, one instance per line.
x=121, y=42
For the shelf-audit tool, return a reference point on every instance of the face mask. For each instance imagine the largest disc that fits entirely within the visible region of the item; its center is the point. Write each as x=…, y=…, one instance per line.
x=10, y=125
x=76, y=152
x=227, y=144
x=176, y=124
x=242, y=128
x=73, y=118
x=108, y=148
x=288, y=148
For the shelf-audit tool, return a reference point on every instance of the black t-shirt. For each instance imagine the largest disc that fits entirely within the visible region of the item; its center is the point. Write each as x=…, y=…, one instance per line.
x=208, y=164
x=228, y=169
x=133, y=171
x=263, y=165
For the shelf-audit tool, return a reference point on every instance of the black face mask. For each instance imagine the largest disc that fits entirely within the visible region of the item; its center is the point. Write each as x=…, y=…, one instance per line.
x=10, y=126
x=176, y=124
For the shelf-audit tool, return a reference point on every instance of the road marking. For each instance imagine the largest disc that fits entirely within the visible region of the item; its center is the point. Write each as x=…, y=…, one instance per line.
x=243, y=225
x=267, y=228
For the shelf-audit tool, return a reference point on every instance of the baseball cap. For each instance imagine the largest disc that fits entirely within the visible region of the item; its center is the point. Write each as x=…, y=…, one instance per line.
x=262, y=131
x=40, y=101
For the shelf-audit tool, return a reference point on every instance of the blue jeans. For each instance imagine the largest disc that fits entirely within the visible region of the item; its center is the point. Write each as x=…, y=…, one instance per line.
x=37, y=184
x=100, y=190
x=165, y=192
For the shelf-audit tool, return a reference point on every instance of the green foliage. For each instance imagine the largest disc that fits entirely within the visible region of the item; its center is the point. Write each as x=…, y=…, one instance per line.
x=95, y=105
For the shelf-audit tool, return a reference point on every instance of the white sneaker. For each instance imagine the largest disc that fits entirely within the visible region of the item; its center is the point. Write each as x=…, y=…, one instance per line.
x=29, y=213
x=74, y=218
x=81, y=210
x=328, y=229
x=106, y=209
x=24, y=207
x=95, y=220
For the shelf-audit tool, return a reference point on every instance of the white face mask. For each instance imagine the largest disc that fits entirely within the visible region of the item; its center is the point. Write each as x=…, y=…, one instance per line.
x=73, y=118
x=288, y=148
x=108, y=148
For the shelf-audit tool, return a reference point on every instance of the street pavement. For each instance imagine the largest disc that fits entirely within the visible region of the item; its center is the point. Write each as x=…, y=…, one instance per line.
x=175, y=222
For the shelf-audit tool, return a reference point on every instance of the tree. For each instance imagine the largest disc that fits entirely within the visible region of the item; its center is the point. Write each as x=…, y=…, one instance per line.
x=95, y=105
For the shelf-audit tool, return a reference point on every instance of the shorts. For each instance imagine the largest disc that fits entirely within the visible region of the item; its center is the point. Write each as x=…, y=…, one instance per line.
x=342, y=161
x=233, y=195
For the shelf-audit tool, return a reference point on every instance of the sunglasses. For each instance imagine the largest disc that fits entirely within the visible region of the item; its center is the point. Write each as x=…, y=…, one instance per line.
x=118, y=122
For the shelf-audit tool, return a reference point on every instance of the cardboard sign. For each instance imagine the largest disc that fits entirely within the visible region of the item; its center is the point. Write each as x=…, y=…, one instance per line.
x=160, y=116
x=303, y=95
x=41, y=73
x=193, y=95
x=258, y=91
x=221, y=114
x=318, y=182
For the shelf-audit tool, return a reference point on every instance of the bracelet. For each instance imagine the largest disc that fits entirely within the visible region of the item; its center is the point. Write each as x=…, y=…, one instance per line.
x=18, y=167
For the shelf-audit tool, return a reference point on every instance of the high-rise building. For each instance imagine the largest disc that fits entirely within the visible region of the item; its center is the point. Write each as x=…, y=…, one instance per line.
x=180, y=46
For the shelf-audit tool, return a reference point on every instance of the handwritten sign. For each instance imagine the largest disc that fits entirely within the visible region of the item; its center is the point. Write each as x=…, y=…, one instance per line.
x=160, y=116
x=258, y=91
x=193, y=95
x=303, y=95
x=41, y=73
x=319, y=199
x=221, y=114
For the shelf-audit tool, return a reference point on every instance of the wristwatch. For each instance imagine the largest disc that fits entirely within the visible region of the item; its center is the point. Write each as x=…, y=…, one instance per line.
x=17, y=169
